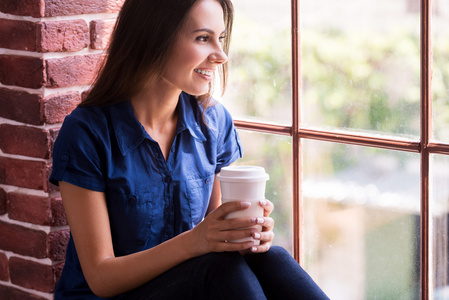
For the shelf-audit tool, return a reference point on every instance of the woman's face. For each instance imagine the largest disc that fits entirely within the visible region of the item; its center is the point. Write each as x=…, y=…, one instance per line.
x=197, y=50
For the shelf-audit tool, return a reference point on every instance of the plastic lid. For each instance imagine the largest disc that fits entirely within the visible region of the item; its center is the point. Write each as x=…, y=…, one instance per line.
x=243, y=174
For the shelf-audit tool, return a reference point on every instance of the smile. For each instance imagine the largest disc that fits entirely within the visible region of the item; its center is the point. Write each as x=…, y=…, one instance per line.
x=204, y=72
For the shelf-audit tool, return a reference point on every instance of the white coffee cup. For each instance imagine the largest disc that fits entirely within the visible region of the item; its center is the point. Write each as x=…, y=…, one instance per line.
x=244, y=183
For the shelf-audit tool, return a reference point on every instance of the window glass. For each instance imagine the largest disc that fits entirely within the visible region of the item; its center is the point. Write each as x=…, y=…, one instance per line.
x=361, y=220
x=440, y=76
x=439, y=207
x=273, y=152
x=259, y=85
x=361, y=65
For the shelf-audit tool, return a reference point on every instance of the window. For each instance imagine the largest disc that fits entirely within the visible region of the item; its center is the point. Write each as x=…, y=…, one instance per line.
x=337, y=100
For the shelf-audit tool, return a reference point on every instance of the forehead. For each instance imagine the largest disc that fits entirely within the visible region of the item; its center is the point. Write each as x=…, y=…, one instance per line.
x=207, y=14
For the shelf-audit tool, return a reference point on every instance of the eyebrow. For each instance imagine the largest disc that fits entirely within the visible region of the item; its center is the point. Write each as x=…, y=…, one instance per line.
x=207, y=30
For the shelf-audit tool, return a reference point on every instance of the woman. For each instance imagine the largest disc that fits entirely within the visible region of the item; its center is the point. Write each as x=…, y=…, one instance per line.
x=136, y=165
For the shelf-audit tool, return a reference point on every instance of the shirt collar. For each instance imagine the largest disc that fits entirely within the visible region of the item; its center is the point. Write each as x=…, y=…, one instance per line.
x=189, y=116
x=130, y=133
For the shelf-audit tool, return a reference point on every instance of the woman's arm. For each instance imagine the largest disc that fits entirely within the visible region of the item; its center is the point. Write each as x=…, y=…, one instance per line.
x=108, y=275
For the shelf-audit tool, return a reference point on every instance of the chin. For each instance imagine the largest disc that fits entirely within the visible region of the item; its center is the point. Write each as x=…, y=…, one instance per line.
x=198, y=93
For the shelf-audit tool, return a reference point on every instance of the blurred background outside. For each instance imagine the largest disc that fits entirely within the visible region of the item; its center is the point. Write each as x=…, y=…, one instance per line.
x=360, y=65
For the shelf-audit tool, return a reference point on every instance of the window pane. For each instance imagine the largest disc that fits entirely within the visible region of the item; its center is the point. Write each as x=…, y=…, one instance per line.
x=439, y=208
x=274, y=154
x=361, y=221
x=260, y=62
x=360, y=65
x=440, y=76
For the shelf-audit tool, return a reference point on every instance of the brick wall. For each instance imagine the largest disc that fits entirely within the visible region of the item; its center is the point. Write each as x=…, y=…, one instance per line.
x=49, y=52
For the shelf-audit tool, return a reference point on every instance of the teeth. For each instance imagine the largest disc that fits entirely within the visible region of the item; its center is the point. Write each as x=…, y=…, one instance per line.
x=204, y=72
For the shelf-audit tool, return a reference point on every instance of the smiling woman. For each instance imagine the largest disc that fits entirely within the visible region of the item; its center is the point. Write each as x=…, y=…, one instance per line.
x=136, y=164
x=197, y=50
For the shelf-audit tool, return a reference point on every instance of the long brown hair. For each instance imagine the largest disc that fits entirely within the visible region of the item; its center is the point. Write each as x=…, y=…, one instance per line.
x=144, y=33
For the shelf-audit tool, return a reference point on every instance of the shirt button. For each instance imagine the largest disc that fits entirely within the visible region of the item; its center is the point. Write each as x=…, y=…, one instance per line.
x=207, y=180
x=167, y=179
x=64, y=157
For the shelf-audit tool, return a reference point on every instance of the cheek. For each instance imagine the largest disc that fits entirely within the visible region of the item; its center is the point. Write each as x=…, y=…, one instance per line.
x=190, y=57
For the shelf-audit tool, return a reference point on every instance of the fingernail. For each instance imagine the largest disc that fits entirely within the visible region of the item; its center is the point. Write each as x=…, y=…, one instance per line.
x=245, y=204
x=254, y=249
x=263, y=202
x=260, y=220
x=257, y=235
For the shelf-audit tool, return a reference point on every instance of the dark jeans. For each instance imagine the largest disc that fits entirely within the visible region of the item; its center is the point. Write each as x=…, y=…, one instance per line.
x=230, y=276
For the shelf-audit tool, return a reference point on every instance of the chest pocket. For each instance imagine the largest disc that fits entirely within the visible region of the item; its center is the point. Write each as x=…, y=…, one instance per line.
x=131, y=217
x=198, y=193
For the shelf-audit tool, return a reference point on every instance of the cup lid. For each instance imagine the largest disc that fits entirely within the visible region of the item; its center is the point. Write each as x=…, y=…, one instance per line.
x=242, y=174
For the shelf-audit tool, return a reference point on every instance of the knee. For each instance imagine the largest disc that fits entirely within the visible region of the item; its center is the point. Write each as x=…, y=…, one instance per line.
x=277, y=252
x=221, y=262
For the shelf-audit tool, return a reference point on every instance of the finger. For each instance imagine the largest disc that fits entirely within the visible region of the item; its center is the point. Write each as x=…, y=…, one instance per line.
x=263, y=247
x=228, y=207
x=232, y=235
x=264, y=237
x=267, y=223
x=267, y=205
x=238, y=223
x=230, y=246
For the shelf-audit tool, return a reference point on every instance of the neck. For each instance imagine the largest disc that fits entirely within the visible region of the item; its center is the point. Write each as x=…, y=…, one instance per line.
x=155, y=106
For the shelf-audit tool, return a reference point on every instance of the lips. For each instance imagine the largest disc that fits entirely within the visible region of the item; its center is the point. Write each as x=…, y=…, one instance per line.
x=204, y=72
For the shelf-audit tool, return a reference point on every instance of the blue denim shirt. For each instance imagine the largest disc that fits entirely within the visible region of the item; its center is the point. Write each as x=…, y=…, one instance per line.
x=149, y=199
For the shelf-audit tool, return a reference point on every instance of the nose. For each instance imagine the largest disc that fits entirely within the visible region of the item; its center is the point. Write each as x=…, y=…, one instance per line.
x=218, y=56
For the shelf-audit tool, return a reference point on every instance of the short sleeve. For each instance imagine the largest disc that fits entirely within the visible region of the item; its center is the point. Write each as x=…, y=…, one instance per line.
x=229, y=146
x=79, y=150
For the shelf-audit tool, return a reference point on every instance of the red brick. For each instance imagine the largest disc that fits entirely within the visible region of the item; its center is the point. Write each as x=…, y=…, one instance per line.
x=70, y=7
x=54, y=135
x=11, y=293
x=100, y=33
x=72, y=70
x=58, y=270
x=3, y=201
x=29, y=208
x=22, y=71
x=4, y=273
x=57, y=244
x=33, y=8
x=22, y=240
x=23, y=173
x=24, y=140
x=19, y=35
x=20, y=106
x=57, y=212
x=32, y=275
x=60, y=36
x=57, y=107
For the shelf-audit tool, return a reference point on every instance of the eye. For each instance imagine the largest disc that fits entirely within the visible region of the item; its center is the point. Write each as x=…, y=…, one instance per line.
x=202, y=38
x=222, y=38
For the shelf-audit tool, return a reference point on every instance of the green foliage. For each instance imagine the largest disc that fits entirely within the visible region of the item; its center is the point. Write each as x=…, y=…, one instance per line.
x=361, y=82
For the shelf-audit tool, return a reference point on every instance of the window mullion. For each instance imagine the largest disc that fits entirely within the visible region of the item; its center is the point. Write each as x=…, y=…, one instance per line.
x=296, y=141
x=426, y=99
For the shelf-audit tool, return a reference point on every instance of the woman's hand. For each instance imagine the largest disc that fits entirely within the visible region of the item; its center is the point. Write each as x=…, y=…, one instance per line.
x=267, y=235
x=212, y=234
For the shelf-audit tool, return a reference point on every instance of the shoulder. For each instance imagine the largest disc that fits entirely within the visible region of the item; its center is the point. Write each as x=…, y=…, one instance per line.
x=217, y=114
x=92, y=116
x=85, y=125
